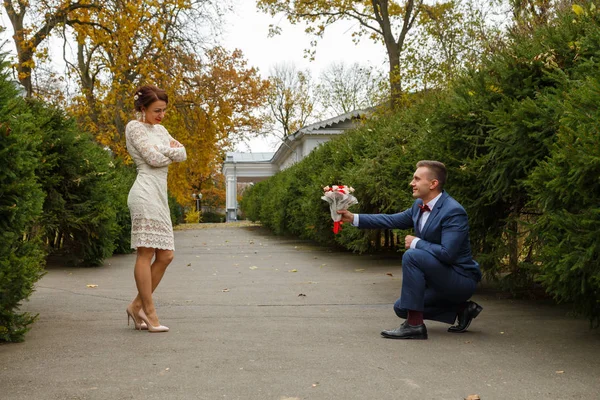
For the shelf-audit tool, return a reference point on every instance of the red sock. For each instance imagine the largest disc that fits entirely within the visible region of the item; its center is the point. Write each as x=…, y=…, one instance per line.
x=415, y=318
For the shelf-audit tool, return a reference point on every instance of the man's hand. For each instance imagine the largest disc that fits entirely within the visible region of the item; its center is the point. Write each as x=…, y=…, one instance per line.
x=408, y=240
x=347, y=216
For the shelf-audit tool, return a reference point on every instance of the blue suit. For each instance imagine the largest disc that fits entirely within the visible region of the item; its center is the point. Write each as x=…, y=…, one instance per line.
x=440, y=273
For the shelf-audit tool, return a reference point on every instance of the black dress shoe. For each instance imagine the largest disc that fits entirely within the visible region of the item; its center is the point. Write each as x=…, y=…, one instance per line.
x=406, y=331
x=465, y=317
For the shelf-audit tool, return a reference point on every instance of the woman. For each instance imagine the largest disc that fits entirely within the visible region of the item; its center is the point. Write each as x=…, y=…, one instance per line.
x=152, y=150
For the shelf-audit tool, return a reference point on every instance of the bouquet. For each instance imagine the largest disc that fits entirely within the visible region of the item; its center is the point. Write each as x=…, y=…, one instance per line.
x=339, y=198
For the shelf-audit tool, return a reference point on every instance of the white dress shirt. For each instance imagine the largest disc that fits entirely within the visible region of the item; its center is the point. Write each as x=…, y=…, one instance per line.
x=422, y=219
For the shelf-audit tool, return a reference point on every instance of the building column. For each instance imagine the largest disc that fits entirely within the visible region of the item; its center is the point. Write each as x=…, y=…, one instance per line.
x=231, y=198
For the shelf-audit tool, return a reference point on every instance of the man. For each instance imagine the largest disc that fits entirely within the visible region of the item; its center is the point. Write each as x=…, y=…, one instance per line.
x=439, y=274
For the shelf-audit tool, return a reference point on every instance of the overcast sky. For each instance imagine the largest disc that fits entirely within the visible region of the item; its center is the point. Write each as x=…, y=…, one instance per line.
x=247, y=29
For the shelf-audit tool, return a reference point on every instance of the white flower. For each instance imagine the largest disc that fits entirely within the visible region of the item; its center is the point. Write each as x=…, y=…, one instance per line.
x=136, y=97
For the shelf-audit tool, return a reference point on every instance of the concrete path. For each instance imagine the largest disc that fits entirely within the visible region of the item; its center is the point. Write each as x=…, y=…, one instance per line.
x=254, y=316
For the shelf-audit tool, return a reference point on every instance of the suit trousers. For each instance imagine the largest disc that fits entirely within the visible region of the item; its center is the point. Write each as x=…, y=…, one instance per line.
x=430, y=286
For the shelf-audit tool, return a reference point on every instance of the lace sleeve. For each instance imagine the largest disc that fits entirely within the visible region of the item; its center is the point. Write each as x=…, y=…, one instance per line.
x=138, y=137
x=177, y=154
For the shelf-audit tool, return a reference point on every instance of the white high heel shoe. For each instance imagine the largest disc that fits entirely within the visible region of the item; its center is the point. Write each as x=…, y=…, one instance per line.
x=151, y=328
x=138, y=325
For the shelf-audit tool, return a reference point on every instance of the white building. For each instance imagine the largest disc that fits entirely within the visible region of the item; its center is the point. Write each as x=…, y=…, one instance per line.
x=255, y=167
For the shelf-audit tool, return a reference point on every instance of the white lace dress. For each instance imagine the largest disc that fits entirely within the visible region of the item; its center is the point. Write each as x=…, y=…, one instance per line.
x=149, y=146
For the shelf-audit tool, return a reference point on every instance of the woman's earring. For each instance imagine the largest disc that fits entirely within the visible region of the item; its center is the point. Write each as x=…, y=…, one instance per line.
x=143, y=116
x=138, y=115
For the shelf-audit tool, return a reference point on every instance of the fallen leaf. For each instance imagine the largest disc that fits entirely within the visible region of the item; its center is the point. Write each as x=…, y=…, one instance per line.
x=560, y=372
x=359, y=270
x=92, y=286
x=254, y=267
x=301, y=295
x=467, y=341
x=225, y=290
x=390, y=274
x=473, y=397
x=315, y=384
x=293, y=270
x=502, y=333
x=189, y=265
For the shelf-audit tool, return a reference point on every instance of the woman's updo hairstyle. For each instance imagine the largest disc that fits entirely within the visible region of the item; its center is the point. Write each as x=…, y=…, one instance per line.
x=146, y=95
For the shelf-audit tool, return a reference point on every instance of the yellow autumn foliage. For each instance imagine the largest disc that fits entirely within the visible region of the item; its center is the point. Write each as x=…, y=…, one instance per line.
x=212, y=94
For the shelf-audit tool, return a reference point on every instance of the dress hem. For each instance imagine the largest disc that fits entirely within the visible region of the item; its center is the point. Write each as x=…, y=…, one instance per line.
x=156, y=248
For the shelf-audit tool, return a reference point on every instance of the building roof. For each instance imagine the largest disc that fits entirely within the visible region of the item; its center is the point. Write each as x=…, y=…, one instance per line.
x=248, y=157
x=317, y=127
x=326, y=127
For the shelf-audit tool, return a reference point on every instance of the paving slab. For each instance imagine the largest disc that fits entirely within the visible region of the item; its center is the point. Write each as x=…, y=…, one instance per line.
x=255, y=316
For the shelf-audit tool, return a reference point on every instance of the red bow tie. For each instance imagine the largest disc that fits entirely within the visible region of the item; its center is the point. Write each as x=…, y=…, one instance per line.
x=424, y=207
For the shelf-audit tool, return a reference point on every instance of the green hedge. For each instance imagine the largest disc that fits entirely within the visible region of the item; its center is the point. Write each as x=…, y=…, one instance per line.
x=21, y=197
x=519, y=137
x=60, y=194
x=86, y=192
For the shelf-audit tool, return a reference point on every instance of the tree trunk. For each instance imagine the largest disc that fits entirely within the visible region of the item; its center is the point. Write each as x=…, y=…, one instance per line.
x=393, y=45
x=119, y=123
x=87, y=83
x=24, y=51
x=395, y=78
x=513, y=245
x=24, y=69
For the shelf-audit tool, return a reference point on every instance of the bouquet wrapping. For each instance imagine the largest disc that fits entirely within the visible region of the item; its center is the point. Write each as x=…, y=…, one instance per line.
x=339, y=197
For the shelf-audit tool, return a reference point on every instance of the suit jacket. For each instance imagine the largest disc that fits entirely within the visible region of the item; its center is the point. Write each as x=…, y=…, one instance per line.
x=445, y=234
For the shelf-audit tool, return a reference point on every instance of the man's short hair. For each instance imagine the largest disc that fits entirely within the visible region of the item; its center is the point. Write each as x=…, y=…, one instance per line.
x=438, y=170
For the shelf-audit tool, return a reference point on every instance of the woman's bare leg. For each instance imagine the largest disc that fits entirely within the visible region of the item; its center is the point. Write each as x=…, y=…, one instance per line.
x=157, y=270
x=143, y=280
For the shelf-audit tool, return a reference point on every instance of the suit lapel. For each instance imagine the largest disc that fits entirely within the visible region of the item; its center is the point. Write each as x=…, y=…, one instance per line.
x=434, y=213
x=416, y=216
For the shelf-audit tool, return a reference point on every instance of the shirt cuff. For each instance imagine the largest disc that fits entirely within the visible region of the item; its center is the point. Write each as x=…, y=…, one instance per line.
x=413, y=244
x=355, y=222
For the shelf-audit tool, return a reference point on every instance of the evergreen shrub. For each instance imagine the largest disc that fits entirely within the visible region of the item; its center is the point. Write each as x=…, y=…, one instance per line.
x=83, y=191
x=566, y=189
x=21, y=197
